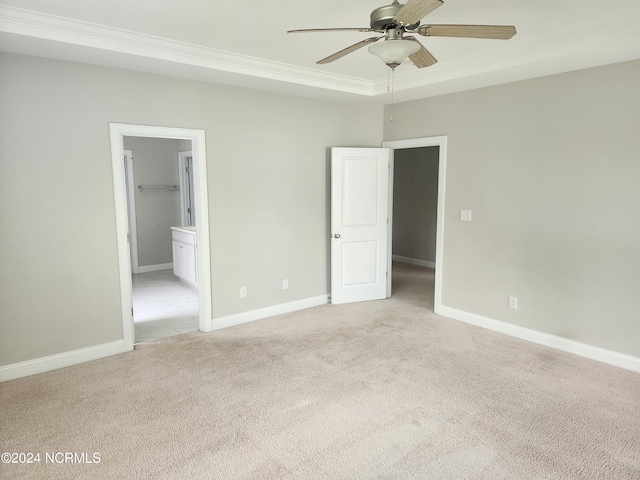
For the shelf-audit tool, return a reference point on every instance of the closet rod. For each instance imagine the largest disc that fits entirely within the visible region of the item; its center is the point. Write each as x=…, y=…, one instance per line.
x=158, y=188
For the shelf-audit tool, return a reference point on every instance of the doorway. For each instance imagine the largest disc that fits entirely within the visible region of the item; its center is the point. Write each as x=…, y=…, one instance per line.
x=118, y=132
x=441, y=143
x=415, y=201
x=163, y=306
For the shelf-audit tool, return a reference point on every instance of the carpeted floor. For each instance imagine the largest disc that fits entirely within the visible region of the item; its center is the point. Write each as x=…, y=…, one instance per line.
x=375, y=390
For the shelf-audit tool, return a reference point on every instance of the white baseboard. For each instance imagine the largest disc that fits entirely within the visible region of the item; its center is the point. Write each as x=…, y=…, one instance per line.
x=259, y=314
x=66, y=359
x=155, y=268
x=53, y=362
x=413, y=261
x=559, y=343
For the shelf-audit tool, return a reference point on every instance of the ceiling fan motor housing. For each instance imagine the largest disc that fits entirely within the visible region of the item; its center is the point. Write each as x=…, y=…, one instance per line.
x=383, y=18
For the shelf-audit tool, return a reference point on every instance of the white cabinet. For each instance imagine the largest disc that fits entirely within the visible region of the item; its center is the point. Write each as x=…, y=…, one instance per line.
x=185, y=254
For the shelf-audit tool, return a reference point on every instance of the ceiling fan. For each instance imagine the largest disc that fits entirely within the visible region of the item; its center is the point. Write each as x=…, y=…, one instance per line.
x=394, y=20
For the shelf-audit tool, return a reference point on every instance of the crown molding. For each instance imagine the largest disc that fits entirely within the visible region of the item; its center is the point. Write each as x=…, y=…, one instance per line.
x=33, y=24
x=609, y=42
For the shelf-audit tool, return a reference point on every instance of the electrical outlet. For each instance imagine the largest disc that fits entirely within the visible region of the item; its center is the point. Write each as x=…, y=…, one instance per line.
x=243, y=292
x=513, y=302
x=465, y=215
x=285, y=284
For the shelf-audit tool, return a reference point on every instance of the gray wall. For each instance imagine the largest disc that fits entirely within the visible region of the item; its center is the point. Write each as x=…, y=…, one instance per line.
x=267, y=183
x=550, y=168
x=155, y=162
x=415, y=203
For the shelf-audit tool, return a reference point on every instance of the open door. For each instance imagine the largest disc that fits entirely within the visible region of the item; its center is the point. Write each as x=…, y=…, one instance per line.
x=359, y=224
x=187, y=200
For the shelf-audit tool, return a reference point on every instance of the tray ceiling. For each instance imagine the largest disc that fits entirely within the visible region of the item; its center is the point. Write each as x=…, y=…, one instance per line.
x=246, y=44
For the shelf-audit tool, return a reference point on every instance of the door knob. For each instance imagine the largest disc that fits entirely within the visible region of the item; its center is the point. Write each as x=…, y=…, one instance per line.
x=336, y=235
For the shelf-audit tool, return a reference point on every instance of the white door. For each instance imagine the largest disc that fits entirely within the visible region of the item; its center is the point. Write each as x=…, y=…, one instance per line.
x=359, y=216
x=187, y=200
x=131, y=210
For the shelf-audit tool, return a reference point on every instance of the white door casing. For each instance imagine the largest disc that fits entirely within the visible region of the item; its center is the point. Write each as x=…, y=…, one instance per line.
x=441, y=143
x=359, y=228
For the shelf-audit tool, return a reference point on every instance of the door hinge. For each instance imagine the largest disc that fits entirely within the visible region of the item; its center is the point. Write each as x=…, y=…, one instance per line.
x=132, y=311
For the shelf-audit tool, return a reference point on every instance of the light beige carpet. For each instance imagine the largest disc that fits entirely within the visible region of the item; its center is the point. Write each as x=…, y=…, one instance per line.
x=381, y=389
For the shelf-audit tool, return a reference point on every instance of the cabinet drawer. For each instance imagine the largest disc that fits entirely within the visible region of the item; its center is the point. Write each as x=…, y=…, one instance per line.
x=184, y=237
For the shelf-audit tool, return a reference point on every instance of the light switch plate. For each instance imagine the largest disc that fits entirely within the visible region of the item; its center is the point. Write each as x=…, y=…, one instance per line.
x=465, y=215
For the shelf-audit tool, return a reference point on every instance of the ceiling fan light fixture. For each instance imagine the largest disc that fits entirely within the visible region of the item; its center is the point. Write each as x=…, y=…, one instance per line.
x=394, y=52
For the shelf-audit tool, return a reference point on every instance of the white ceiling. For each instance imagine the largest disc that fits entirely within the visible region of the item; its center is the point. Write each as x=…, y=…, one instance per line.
x=245, y=42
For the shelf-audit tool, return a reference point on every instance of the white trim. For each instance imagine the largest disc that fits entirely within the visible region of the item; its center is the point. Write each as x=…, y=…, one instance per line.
x=614, y=40
x=155, y=268
x=75, y=32
x=60, y=360
x=390, y=195
x=413, y=261
x=559, y=343
x=441, y=142
x=259, y=314
x=117, y=133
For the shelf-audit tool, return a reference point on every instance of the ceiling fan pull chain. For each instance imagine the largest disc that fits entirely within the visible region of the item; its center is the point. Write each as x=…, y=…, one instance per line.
x=393, y=71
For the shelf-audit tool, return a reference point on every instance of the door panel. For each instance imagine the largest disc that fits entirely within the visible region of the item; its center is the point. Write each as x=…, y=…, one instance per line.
x=359, y=205
x=359, y=263
x=360, y=191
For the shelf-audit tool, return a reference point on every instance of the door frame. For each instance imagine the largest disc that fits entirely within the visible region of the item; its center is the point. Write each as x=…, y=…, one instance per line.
x=441, y=142
x=117, y=132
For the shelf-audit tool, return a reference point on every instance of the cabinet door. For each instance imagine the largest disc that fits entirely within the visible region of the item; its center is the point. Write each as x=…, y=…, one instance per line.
x=179, y=259
x=191, y=274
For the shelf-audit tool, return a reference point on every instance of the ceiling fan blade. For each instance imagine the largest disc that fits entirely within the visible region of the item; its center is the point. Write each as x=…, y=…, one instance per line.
x=422, y=58
x=498, y=32
x=347, y=50
x=364, y=29
x=414, y=10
